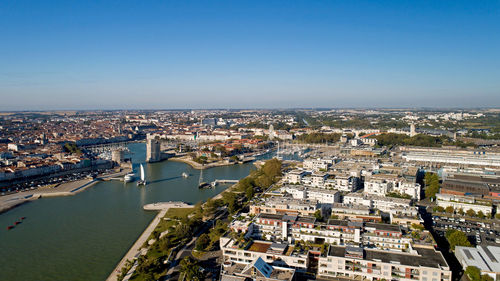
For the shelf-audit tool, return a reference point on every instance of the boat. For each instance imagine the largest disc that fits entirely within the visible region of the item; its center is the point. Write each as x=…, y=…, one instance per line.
x=17, y=222
x=185, y=175
x=204, y=185
x=201, y=183
x=23, y=218
x=10, y=227
x=129, y=177
x=143, y=176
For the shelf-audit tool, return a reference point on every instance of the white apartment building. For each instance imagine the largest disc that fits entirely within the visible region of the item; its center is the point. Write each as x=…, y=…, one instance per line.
x=395, y=206
x=316, y=164
x=377, y=186
x=295, y=176
x=284, y=205
x=324, y=196
x=463, y=202
x=426, y=264
x=281, y=254
x=403, y=186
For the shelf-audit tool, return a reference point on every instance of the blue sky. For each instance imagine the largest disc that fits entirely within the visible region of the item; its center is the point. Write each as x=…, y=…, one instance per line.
x=248, y=54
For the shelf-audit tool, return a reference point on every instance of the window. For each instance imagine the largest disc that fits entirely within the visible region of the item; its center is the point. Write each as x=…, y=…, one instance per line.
x=434, y=273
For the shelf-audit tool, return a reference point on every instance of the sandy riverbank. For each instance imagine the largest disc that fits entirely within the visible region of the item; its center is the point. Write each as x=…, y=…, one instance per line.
x=10, y=201
x=136, y=250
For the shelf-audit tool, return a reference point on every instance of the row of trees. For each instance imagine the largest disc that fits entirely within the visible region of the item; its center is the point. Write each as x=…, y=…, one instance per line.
x=392, y=139
x=451, y=210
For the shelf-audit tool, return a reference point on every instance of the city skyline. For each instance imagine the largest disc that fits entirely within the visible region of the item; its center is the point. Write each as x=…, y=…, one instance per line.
x=130, y=55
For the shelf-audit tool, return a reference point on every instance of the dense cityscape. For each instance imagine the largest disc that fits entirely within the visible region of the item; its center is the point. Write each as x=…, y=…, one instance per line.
x=219, y=140
x=379, y=194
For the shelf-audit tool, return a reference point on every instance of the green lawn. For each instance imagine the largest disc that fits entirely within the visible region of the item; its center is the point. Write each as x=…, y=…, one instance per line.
x=178, y=212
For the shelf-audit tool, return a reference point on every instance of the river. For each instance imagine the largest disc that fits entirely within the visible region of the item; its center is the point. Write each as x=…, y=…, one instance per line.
x=83, y=237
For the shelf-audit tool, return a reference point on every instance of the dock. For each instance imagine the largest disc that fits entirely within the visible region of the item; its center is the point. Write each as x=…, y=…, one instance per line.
x=216, y=182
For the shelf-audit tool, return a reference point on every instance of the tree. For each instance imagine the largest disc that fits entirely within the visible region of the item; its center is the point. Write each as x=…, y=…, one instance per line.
x=198, y=209
x=471, y=213
x=202, y=242
x=457, y=238
x=449, y=210
x=216, y=232
x=231, y=201
x=190, y=269
x=249, y=192
x=318, y=215
x=473, y=273
x=481, y=215
x=211, y=206
x=148, y=267
x=438, y=209
x=431, y=181
x=272, y=168
x=461, y=211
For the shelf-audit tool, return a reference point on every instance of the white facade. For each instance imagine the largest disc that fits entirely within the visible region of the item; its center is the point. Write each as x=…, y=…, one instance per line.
x=377, y=187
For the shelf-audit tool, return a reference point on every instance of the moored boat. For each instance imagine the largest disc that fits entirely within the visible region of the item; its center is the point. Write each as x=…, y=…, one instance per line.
x=129, y=177
x=143, y=177
x=204, y=185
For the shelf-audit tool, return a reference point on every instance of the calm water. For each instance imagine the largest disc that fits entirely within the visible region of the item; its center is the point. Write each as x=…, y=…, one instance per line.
x=83, y=237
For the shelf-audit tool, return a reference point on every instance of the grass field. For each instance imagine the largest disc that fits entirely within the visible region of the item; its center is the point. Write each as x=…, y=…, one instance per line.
x=178, y=212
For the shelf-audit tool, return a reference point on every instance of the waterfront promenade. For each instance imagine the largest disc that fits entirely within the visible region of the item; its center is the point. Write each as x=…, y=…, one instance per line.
x=10, y=201
x=136, y=250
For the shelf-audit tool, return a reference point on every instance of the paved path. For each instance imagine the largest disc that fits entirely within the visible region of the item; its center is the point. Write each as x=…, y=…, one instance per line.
x=136, y=249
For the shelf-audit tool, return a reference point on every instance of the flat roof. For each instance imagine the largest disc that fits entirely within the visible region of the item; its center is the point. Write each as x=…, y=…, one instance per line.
x=306, y=219
x=485, y=258
x=383, y=226
x=426, y=257
x=270, y=216
x=337, y=222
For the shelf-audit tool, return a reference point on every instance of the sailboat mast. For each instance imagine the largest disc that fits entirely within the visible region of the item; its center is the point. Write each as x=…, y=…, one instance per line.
x=201, y=176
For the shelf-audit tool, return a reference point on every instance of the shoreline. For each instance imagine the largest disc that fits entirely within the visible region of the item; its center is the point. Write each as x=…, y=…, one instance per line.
x=11, y=201
x=136, y=249
x=162, y=207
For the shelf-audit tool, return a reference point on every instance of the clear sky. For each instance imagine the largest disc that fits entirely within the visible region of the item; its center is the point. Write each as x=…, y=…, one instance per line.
x=248, y=54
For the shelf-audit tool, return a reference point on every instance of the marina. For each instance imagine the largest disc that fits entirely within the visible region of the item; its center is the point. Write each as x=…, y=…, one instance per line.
x=99, y=225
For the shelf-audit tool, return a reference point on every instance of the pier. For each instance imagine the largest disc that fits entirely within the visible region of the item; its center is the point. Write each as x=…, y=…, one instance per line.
x=216, y=182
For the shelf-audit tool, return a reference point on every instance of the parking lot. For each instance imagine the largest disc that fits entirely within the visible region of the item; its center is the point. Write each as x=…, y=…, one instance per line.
x=478, y=233
x=49, y=181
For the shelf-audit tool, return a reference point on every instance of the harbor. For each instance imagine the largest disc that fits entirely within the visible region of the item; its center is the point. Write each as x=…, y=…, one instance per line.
x=100, y=223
